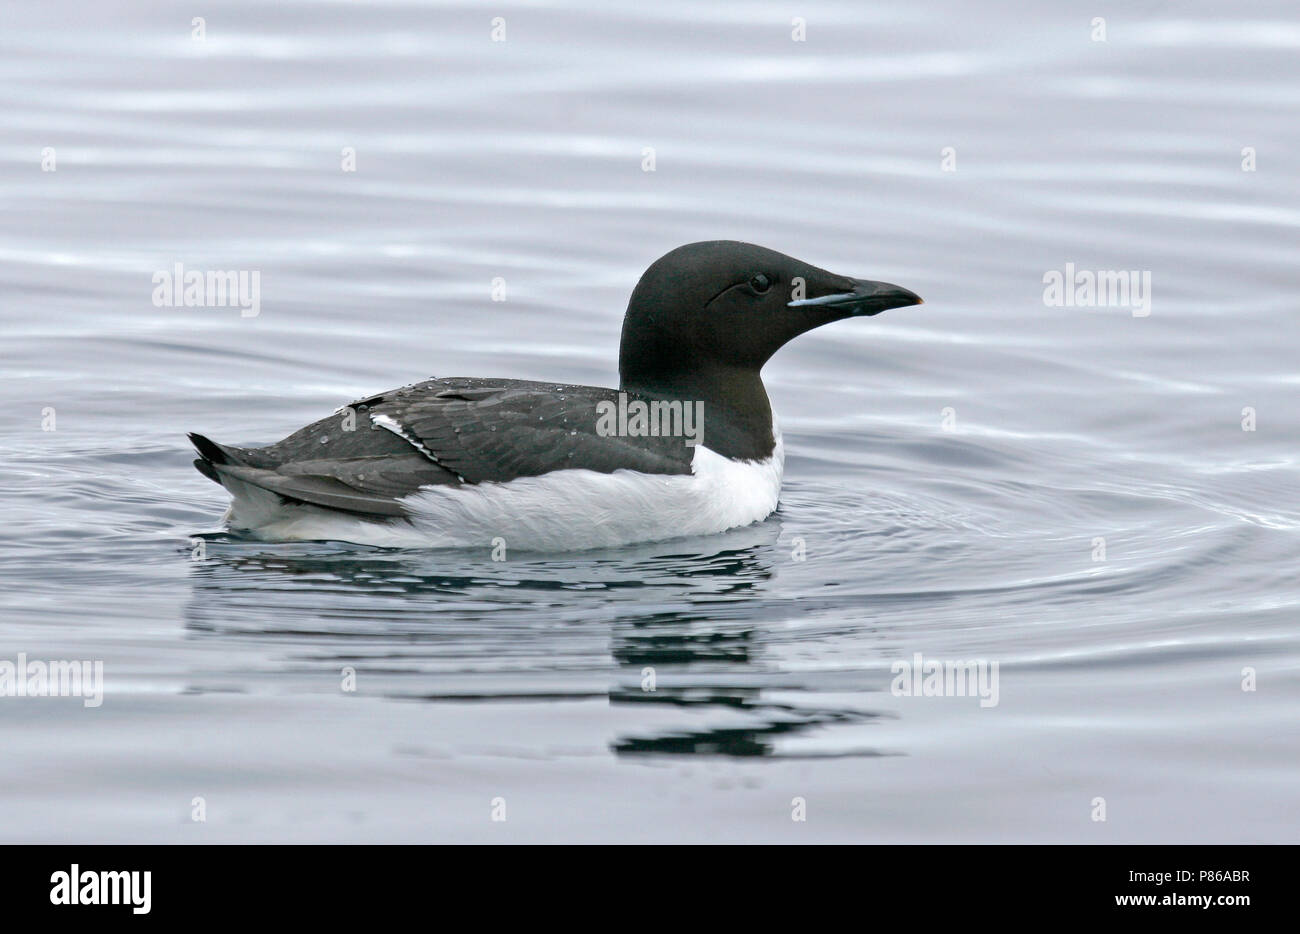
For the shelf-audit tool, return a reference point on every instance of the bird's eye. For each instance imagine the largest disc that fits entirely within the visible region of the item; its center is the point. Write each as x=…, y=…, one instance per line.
x=760, y=283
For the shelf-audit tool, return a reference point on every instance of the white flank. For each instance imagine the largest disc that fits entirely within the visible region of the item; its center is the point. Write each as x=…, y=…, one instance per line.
x=565, y=510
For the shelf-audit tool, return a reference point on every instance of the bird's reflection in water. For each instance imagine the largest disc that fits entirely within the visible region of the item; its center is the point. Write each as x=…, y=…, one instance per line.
x=456, y=627
x=698, y=662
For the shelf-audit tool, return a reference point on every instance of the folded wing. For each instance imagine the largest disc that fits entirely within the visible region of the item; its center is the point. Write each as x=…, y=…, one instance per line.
x=441, y=432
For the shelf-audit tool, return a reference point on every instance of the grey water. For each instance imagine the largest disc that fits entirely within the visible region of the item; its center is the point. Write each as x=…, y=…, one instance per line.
x=1103, y=503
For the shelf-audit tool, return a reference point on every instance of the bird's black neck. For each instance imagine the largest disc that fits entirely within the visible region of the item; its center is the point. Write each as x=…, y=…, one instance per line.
x=737, y=413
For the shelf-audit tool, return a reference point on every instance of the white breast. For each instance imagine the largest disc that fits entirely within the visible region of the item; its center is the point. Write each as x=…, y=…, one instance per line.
x=564, y=510
x=573, y=509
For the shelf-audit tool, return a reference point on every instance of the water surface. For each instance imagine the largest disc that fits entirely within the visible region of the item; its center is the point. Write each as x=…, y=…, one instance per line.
x=950, y=470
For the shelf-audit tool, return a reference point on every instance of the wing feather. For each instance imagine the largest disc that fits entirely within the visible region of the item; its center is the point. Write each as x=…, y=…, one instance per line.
x=442, y=432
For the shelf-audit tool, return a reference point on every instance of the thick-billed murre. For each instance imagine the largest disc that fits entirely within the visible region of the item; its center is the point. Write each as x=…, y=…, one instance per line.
x=464, y=462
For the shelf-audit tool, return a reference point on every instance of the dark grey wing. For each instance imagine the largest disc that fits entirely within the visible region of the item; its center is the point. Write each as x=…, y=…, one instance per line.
x=300, y=468
x=442, y=432
x=497, y=430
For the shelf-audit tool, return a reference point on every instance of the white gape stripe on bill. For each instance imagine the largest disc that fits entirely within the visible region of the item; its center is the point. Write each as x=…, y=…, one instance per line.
x=824, y=300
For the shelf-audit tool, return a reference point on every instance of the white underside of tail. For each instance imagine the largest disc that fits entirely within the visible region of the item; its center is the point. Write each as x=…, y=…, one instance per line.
x=564, y=510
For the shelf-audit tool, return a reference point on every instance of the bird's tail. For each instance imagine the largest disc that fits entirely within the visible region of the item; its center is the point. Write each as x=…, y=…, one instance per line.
x=210, y=454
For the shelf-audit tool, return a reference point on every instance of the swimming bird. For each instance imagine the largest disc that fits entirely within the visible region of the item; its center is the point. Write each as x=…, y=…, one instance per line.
x=687, y=445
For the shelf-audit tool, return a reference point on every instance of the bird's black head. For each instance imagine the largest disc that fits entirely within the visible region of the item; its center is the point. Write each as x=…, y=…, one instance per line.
x=722, y=305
